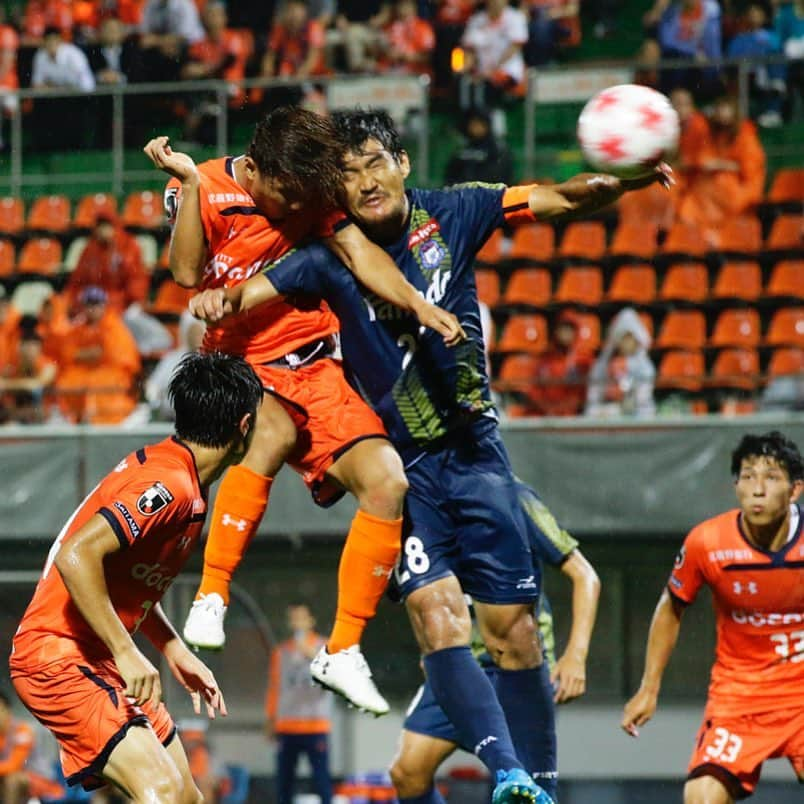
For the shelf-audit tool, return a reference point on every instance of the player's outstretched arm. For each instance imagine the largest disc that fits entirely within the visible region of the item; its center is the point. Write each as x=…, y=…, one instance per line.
x=80, y=563
x=569, y=673
x=662, y=638
x=216, y=303
x=380, y=274
x=588, y=192
x=187, y=242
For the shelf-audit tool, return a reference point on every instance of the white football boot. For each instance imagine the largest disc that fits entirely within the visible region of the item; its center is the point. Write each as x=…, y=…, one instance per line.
x=204, y=625
x=347, y=673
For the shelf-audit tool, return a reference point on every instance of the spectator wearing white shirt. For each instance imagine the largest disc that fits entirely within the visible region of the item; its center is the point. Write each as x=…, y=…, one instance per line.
x=61, y=123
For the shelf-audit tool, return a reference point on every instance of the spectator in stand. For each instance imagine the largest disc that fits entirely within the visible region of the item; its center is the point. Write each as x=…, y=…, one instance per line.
x=358, y=27
x=494, y=40
x=168, y=29
x=768, y=82
x=54, y=325
x=725, y=175
x=482, y=157
x=622, y=377
x=9, y=81
x=789, y=26
x=208, y=773
x=100, y=363
x=61, y=123
x=112, y=57
x=112, y=260
x=9, y=328
x=295, y=44
x=450, y=21
x=694, y=129
x=553, y=25
x=647, y=62
x=561, y=371
x=409, y=41
x=26, y=379
x=43, y=14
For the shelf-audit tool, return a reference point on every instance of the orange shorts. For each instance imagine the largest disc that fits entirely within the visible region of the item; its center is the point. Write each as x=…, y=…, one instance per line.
x=732, y=749
x=330, y=417
x=85, y=708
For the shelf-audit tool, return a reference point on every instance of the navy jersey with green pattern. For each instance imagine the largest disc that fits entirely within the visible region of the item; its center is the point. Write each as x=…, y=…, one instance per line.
x=421, y=389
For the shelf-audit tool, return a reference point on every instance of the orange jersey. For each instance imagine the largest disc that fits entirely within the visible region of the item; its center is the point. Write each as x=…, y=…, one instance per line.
x=759, y=604
x=156, y=507
x=241, y=242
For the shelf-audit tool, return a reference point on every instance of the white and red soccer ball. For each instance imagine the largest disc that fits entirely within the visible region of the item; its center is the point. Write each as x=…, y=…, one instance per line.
x=627, y=129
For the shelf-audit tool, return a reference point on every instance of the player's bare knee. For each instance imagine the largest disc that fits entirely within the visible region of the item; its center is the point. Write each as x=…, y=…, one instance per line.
x=165, y=786
x=409, y=781
x=440, y=617
x=384, y=494
x=706, y=790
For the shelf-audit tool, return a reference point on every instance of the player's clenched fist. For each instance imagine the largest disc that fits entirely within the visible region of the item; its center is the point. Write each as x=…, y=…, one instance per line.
x=141, y=677
x=174, y=163
x=638, y=711
x=211, y=305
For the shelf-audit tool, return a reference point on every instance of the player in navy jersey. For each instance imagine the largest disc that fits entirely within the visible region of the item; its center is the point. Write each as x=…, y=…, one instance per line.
x=466, y=527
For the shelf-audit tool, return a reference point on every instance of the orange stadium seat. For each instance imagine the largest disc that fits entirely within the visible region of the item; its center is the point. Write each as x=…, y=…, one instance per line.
x=533, y=243
x=681, y=369
x=580, y=284
x=735, y=368
x=785, y=361
x=516, y=372
x=588, y=331
x=687, y=282
x=90, y=206
x=786, y=233
x=633, y=284
x=634, y=239
x=488, y=286
x=741, y=235
x=40, y=255
x=7, y=257
x=585, y=240
x=143, y=210
x=528, y=287
x=682, y=329
x=523, y=333
x=685, y=239
x=787, y=186
x=12, y=215
x=738, y=327
x=786, y=280
x=491, y=252
x=50, y=213
x=786, y=328
x=738, y=280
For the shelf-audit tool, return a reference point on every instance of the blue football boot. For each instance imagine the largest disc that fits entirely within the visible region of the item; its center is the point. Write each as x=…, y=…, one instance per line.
x=516, y=787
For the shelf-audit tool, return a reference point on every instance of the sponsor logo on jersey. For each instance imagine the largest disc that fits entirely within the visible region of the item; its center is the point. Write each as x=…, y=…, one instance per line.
x=133, y=527
x=424, y=232
x=759, y=619
x=154, y=576
x=730, y=555
x=122, y=466
x=431, y=254
x=154, y=499
x=675, y=583
x=680, y=556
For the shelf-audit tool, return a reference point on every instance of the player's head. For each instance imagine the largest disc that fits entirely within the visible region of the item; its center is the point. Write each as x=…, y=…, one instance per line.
x=215, y=397
x=768, y=475
x=375, y=166
x=293, y=159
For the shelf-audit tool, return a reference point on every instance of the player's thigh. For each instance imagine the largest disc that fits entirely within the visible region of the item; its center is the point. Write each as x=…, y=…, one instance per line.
x=190, y=792
x=273, y=437
x=417, y=759
x=706, y=790
x=439, y=615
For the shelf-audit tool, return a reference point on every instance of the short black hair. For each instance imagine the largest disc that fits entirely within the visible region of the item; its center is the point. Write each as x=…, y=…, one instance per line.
x=302, y=150
x=771, y=445
x=210, y=394
x=357, y=126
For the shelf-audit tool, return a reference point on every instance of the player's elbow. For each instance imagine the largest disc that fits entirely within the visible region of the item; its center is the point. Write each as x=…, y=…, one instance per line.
x=184, y=276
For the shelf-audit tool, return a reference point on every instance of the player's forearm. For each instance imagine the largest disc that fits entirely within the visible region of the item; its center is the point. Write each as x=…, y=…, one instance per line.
x=158, y=629
x=187, y=244
x=256, y=291
x=662, y=638
x=585, y=595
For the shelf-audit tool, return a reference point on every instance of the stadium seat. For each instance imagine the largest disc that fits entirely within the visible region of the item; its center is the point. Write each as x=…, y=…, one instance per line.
x=685, y=282
x=528, y=287
x=786, y=328
x=171, y=298
x=738, y=327
x=682, y=329
x=74, y=252
x=12, y=215
x=684, y=240
x=491, y=251
x=584, y=240
x=90, y=206
x=681, y=369
x=488, y=286
x=786, y=360
x=28, y=297
x=735, y=368
x=787, y=187
x=7, y=257
x=588, y=331
x=634, y=239
x=580, y=284
x=532, y=243
x=738, y=280
x=786, y=233
x=516, y=373
x=143, y=210
x=49, y=213
x=523, y=333
x=40, y=255
x=633, y=284
x=786, y=280
x=741, y=236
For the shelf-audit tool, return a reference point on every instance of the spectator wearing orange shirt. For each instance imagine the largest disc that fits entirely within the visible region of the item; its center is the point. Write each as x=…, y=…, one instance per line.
x=725, y=171
x=9, y=80
x=100, y=363
x=410, y=41
x=295, y=44
x=25, y=379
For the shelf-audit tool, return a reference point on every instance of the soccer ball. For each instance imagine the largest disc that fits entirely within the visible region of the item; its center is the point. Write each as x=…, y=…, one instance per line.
x=627, y=129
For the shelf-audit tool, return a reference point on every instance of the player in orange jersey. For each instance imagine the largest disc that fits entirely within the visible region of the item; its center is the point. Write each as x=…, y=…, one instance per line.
x=752, y=558
x=234, y=216
x=74, y=663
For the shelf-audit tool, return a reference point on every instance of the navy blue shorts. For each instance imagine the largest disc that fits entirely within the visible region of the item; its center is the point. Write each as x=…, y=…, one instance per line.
x=464, y=516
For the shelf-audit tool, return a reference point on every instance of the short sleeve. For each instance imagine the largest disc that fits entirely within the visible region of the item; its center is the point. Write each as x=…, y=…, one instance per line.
x=548, y=540
x=330, y=222
x=515, y=205
x=302, y=271
x=687, y=576
x=480, y=210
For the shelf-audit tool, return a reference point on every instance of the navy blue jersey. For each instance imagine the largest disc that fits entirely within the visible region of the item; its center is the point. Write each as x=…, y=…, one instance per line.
x=422, y=389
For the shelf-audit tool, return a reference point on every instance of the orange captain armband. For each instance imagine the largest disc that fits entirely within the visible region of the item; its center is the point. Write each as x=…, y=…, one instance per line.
x=515, y=204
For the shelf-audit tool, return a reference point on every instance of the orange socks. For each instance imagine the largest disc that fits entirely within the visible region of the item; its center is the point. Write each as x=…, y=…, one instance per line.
x=369, y=554
x=239, y=507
